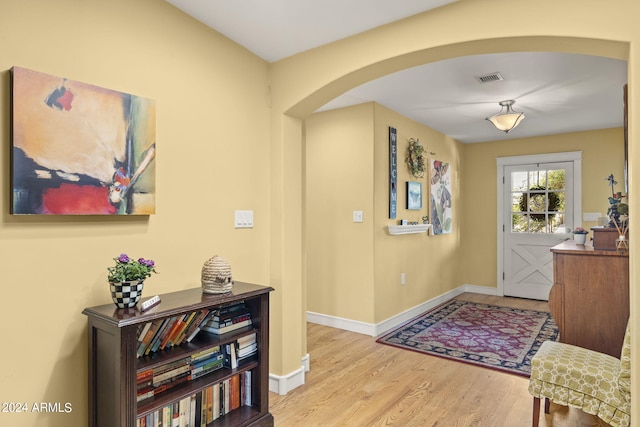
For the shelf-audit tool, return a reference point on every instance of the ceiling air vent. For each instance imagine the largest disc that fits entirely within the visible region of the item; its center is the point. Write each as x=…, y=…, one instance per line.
x=491, y=77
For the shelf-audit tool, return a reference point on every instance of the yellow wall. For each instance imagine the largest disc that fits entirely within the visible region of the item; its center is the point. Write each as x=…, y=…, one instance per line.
x=353, y=269
x=602, y=155
x=212, y=138
x=430, y=263
x=339, y=180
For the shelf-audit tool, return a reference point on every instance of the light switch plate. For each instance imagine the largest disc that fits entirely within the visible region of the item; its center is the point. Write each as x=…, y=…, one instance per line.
x=357, y=216
x=243, y=219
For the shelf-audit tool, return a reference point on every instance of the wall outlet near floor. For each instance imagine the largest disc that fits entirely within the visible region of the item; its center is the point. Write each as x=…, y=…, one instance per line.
x=403, y=279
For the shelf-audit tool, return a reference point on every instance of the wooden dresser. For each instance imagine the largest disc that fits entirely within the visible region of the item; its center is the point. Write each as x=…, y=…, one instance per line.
x=589, y=299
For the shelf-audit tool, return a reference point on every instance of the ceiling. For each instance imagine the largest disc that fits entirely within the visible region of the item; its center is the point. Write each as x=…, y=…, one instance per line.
x=557, y=92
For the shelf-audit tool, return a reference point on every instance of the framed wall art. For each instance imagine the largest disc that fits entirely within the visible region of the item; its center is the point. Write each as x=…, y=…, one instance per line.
x=414, y=195
x=440, y=196
x=79, y=149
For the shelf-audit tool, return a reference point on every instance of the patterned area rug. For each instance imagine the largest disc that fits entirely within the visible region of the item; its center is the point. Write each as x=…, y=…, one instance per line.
x=491, y=336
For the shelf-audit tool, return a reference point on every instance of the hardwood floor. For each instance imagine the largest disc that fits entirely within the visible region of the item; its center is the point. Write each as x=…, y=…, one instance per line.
x=354, y=381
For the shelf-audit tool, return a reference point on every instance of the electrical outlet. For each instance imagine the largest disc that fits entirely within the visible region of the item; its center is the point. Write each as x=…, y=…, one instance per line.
x=403, y=279
x=357, y=216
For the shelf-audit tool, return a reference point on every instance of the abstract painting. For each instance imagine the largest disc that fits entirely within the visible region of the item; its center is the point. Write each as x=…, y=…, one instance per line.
x=79, y=149
x=440, y=180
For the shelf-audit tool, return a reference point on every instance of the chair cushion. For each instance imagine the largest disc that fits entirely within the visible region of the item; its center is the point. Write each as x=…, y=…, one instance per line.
x=580, y=378
x=624, y=380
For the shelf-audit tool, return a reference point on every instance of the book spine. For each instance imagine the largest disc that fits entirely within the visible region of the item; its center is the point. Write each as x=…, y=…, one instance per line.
x=210, y=393
x=174, y=330
x=197, y=320
x=204, y=372
x=247, y=388
x=230, y=328
x=157, y=380
x=216, y=401
x=204, y=354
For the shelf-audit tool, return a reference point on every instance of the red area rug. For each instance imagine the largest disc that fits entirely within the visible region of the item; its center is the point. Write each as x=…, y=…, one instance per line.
x=491, y=336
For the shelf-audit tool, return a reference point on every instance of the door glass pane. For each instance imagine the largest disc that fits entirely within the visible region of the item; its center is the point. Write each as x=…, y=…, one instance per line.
x=556, y=179
x=519, y=223
x=538, y=201
x=515, y=202
x=519, y=181
x=537, y=178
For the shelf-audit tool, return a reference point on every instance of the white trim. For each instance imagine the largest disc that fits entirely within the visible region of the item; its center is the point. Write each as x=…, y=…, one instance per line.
x=484, y=290
x=284, y=384
x=375, y=330
x=341, y=323
x=501, y=162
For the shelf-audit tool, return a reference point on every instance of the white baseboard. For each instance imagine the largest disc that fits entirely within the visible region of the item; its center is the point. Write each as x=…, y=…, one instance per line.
x=484, y=290
x=375, y=330
x=284, y=384
x=341, y=323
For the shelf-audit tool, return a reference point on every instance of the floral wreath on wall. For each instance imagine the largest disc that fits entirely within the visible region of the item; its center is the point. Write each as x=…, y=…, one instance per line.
x=415, y=158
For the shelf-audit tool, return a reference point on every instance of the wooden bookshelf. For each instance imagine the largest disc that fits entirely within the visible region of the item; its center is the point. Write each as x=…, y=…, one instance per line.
x=113, y=364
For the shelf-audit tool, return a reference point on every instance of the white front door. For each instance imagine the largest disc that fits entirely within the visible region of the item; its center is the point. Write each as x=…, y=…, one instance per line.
x=538, y=213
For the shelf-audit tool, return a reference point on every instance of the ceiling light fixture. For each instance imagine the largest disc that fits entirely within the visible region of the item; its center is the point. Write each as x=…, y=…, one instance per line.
x=506, y=119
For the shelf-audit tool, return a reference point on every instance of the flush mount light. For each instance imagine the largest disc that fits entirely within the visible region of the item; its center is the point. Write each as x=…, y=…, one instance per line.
x=506, y=119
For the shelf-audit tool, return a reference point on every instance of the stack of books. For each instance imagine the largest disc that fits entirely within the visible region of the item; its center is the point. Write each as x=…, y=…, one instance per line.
x=205, y=362
x=153, y=381
x=247, y=346
x=227, y=319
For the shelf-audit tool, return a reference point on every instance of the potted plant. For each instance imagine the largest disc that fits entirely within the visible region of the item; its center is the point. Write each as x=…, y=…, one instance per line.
x=126, y=279
x=580, y=235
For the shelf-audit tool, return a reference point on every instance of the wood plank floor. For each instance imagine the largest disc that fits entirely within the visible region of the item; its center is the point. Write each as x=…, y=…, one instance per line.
x=354, y=381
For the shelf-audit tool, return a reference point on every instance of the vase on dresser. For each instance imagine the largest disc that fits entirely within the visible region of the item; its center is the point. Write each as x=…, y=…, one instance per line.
x=580, y=238
x=126, y=294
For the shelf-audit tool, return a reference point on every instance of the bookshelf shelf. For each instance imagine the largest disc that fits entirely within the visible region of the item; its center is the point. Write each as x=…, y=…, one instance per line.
x=114, y=365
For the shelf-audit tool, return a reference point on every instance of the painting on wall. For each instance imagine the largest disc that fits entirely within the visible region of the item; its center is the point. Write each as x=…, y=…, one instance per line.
x=414, y=195
x=440, y=181
x=79, y=149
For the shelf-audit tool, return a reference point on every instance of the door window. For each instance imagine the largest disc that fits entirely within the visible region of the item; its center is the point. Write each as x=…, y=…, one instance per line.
x=538, y=201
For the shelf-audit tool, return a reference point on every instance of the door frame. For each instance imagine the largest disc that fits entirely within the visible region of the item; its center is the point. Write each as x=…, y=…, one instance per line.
x=501, y=162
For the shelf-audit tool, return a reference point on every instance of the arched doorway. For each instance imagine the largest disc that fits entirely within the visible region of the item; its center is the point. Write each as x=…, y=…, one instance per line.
x=289, y=121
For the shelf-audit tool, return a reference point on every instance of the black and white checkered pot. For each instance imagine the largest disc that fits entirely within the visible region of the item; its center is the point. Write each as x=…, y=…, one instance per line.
x=126, y=294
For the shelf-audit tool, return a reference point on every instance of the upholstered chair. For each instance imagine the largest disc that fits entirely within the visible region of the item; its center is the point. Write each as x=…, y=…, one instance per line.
x=594, y=382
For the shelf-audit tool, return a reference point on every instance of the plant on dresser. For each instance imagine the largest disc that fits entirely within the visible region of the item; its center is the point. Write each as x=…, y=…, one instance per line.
x=146, y=368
